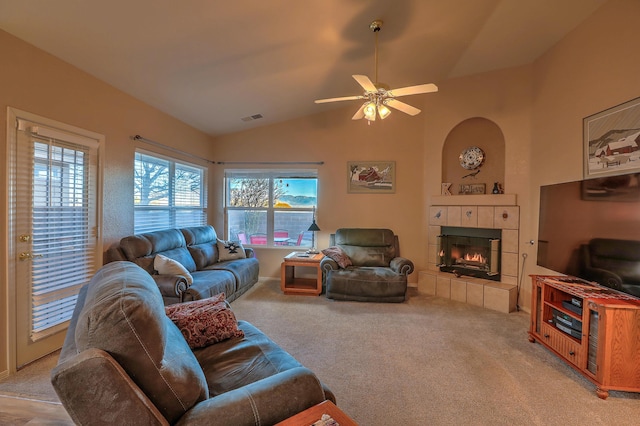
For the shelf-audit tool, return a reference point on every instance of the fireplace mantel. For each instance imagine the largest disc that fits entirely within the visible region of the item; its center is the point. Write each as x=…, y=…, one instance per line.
x=474, y=200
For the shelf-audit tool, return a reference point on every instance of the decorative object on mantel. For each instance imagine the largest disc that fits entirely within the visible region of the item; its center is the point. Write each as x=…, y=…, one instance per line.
x=497, y=188
x=472, y=174
x=611, y=140
x=472, y=189
x=377, y=95
x=371, y=177
x=472, y=157
x=446, y=188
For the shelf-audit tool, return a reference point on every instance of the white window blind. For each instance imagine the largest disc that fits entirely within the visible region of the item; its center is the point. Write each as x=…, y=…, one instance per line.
x=167, y=193
x=61, y=219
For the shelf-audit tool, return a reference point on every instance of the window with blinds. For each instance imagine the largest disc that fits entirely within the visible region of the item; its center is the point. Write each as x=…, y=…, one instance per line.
x=167, y=193
x=57, y=209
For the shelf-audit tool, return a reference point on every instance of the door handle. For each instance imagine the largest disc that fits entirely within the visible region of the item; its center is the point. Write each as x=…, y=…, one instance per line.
x=28, y=256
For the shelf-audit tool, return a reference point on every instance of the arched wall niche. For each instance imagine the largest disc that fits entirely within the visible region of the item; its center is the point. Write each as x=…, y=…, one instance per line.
x=480, y=132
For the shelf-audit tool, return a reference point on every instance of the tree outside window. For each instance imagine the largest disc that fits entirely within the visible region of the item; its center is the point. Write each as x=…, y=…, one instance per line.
x=270, y=208
x=167, y=194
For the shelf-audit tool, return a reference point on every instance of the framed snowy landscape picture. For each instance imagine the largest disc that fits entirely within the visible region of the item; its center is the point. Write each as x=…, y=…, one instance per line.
x=611, y=141
x=372, y=177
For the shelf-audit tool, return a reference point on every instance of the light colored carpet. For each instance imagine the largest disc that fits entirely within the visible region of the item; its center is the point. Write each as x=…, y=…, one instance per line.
x=33, y=380
x=428, y=361
x=431, y=361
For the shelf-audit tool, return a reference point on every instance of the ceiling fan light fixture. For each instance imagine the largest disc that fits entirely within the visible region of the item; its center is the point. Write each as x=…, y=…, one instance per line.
x=383, y=111
x=370, y=111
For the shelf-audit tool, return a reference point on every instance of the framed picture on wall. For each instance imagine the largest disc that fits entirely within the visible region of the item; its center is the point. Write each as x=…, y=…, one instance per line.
x=371, y=177
x=612, y=141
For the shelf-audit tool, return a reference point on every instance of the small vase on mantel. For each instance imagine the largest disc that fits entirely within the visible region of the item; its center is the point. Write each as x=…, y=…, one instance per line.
x=496, y=188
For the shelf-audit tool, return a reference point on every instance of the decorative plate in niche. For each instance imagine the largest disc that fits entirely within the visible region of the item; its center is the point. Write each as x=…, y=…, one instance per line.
x=471, y=158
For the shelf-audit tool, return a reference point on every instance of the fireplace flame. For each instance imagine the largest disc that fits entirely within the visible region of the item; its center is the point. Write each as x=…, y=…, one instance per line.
x=476, y=257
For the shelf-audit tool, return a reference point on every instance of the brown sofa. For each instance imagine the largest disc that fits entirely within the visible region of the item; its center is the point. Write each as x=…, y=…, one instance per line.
x=194, y=248
x=125, y=362
x=377, y=273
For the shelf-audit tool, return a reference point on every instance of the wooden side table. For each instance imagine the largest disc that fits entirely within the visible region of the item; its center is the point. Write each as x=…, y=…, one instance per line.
x=290, y=284
x=312, y=415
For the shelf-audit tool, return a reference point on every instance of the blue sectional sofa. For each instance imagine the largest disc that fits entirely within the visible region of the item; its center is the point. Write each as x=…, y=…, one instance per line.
x=196, y=249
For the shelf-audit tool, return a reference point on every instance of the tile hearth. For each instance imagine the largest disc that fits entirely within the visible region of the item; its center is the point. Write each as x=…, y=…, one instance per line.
x=475, y=211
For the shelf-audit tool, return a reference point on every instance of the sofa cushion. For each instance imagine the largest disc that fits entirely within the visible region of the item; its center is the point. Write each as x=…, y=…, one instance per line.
x=165, y=240
x=167, y=266
x=367, y=247
x=204, y=254
x=195, y=235
x=141, y=249
x=182, y=256
x=245, y=271
x=366, y=284
x=202, y=244
x=367, y=256
x=124, y=315
x=235, y=363
x=204, y=322
x=210, y=282
x=138, y=249
x=338, y=255
x=230, y=250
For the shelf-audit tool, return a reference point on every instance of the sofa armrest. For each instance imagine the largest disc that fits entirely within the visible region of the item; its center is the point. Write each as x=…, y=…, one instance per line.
x=267, y=401
x=327, y=264
x=171, y=286
x=401, y=265
x=249, y=252
x=94, y=379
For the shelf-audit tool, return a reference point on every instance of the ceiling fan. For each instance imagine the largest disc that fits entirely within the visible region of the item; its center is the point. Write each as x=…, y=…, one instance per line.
x=378, y=96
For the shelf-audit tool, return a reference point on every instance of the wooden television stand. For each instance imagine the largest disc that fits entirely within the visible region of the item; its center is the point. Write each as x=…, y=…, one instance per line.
x=594, y=329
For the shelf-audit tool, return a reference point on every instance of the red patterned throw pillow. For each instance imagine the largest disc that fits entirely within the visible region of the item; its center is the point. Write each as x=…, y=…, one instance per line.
x=205, y=322
x=336, y=253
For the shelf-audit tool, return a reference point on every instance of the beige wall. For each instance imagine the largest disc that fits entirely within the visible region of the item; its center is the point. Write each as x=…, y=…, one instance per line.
x=33, y=81
x=539, y=109
x=334, y=139
x=592, y=69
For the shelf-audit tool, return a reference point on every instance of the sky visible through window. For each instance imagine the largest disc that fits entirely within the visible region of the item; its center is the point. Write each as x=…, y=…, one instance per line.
x=300, y=192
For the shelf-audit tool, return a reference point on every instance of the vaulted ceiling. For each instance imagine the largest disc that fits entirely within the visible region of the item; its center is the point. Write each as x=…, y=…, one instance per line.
x=211, y=63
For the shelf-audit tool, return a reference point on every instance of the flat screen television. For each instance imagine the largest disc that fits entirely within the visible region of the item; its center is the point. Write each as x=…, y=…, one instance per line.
x=572, y=214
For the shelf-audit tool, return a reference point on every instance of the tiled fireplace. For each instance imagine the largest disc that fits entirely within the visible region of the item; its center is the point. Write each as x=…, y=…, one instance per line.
x=485, y=228
x=473, y=252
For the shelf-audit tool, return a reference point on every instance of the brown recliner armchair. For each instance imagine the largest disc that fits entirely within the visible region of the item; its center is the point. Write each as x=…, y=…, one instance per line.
x=377, y=272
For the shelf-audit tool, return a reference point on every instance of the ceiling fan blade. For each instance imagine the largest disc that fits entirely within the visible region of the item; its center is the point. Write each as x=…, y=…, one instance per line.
x=401, y=106
x=360, y=113
x=413, y=90
x=366, y=84
x=344, y=98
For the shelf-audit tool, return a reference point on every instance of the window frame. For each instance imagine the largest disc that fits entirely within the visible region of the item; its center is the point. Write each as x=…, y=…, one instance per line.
x=173, y=220
x=271, y=209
